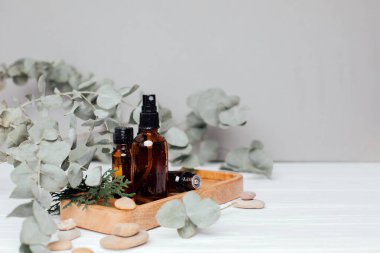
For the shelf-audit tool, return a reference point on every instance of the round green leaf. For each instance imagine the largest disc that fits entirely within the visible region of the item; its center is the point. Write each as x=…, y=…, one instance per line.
x=191, y=199
x=94, y=176
x=208, y=150
x=53, y=152
x=108, y=97
x=176, y=137
x=236, y=116
x=44, y=220
x=172, y=214
x=74, y=174
x=53, y=178
x=31, y=234
x=204, y=214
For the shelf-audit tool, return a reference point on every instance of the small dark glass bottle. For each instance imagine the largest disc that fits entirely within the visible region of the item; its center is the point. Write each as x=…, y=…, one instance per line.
x=150, y=155
x=181, y=181
x=122, y=154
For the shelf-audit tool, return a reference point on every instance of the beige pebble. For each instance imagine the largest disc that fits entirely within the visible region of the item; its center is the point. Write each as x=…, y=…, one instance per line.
x=125, y=203
x=68, y=235
x=67, y=224
x=125, y=229
x=247, y=195
x=249, y=204
x=59, y=245
x=119, y=243
x=82, y=250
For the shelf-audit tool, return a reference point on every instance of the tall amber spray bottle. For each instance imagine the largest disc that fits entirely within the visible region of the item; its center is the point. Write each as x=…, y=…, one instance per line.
x=150, y=155
x=122, y=154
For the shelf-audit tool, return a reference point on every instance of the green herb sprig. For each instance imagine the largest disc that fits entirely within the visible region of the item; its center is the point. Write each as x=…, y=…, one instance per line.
x=111, y=186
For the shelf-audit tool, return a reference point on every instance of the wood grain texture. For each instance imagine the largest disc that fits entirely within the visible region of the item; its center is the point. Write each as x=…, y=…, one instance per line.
x=218, y=185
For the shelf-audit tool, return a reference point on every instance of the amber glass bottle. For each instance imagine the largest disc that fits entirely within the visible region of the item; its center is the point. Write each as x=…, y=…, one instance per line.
x=150, y=155
x=122, y=154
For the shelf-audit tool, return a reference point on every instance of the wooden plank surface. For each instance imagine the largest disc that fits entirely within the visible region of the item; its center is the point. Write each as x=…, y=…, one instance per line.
x=218, y=185
x=310, y=208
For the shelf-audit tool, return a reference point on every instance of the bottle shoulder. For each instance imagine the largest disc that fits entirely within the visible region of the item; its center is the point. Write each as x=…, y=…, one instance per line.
x=146, y=136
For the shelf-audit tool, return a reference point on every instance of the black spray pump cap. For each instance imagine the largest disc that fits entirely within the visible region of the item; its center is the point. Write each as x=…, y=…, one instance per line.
x=149, y=115
x=123, y=135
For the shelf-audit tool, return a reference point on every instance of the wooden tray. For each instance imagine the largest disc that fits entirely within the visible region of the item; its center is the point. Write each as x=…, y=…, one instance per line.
x=218, y=185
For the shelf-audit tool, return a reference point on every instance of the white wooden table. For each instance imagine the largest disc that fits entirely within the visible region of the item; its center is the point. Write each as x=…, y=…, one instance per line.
x=311, y=207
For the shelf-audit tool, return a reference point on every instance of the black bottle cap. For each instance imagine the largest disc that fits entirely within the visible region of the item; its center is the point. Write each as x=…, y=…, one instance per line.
x=149, y=116
x=123, y=135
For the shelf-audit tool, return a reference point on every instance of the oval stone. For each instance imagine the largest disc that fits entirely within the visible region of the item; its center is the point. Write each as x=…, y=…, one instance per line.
x=247, y=195
x=125, y=229
x=67, y=224
x=125, y=203
x=68, y=235
x=82, y=250
x=59, y=245
x=249, y=204
x=120, y=243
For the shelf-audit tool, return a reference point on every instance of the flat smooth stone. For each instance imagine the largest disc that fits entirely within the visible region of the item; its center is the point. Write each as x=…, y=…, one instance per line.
x=119, y=243
x=68, y=235
x=125, y=229
x=249, y=204
x=82, y=250
x=60, y=245
x=125, y=203
x=67, y=224
x=248, y=195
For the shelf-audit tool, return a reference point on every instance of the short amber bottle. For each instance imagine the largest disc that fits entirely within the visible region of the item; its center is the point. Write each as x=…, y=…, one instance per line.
x=150, y=155
x=122, y=154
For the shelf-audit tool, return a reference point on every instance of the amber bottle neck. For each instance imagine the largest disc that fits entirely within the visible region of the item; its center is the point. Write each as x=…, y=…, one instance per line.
x=152, y=131
x=122, y=146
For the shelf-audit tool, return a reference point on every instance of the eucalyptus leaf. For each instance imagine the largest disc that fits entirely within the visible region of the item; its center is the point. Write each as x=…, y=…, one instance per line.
x=53, y=178
x=84, y=111
x=31, y=234
x=39, y=248
x=126, y=91
x=82, y=154
x=21, y=172
x=175, y=152
x=261, y=161
x=44, y=220
x=16, y=136
x=195, y=121
x=52, y=101
x=26, y=151
x=108, y=97
x=235, y=116
x=23, y=210
x=53, y=152
x=208, y=150
x=44, y=129
x=195, y=135
x=75, y=174
x=86, y=84
x=172, y=214
x=101, y=114
x=187, y=161
x=239, y=158
x=22, y=191
x=72, y=134
x=176, y=137
x=191, y=199
x=209, y=105
x=41, y=84
x=94, y=176
x=187, y=231
x=42, y=196
x=256, y=144
x=204, y=214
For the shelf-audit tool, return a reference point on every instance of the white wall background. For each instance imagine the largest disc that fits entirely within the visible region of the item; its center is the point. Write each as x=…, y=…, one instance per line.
x=309, y=69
